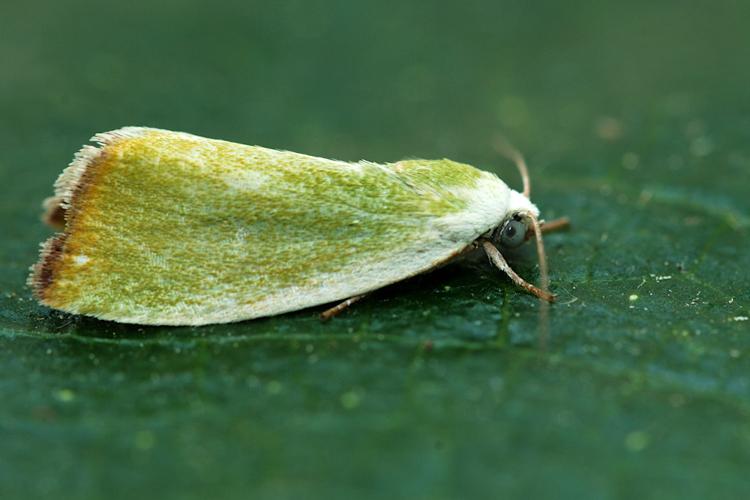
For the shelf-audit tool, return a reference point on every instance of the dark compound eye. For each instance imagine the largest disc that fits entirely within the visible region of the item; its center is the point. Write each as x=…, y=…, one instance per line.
x=514, y=233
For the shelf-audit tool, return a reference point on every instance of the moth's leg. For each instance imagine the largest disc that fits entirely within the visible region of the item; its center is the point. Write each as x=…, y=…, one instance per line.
x=550, y=226
x=54, y=213
x=497, y=258
x=339, y=308
x=555, y=225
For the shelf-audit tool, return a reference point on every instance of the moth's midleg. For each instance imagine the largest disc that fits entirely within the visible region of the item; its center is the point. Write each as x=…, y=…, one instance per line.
x=340, y=307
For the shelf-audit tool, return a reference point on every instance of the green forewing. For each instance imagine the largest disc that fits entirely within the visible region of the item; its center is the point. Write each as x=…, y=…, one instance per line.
x=178, y=229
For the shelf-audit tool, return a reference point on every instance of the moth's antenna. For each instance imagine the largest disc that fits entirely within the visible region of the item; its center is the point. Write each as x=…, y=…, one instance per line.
x=543, y=281
x=543, y=272
x=543, y=291
x=506, y=149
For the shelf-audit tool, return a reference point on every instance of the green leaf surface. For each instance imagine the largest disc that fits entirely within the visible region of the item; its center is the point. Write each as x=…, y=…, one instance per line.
x=634, y=117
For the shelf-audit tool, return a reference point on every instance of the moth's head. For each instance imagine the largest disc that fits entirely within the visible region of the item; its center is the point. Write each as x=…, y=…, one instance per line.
x=517, y=225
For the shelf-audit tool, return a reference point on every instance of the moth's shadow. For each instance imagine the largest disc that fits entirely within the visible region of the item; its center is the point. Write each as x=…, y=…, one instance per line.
x=68, y=325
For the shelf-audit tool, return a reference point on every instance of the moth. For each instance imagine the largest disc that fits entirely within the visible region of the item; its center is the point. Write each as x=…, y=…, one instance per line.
x=168, y=228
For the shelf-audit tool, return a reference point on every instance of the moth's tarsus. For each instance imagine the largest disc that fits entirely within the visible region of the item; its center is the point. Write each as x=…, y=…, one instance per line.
x=555, y=224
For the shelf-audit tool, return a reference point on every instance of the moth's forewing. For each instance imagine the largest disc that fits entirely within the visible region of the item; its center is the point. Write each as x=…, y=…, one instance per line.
x=169, y=228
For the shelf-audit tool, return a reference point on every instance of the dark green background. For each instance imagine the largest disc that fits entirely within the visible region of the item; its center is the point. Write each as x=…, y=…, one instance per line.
x=635, y=118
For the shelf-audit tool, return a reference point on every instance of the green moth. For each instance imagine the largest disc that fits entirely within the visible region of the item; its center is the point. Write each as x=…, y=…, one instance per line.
x=167, y=228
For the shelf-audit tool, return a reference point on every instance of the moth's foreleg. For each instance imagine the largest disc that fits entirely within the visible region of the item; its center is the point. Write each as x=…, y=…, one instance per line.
x=339, y=308
x=499, y=261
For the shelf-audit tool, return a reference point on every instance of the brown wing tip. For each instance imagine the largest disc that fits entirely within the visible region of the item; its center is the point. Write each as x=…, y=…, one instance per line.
x=57, y=214
x=43, y=272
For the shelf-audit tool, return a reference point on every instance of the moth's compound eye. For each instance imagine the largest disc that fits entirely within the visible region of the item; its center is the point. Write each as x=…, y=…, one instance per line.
x=514, y=233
